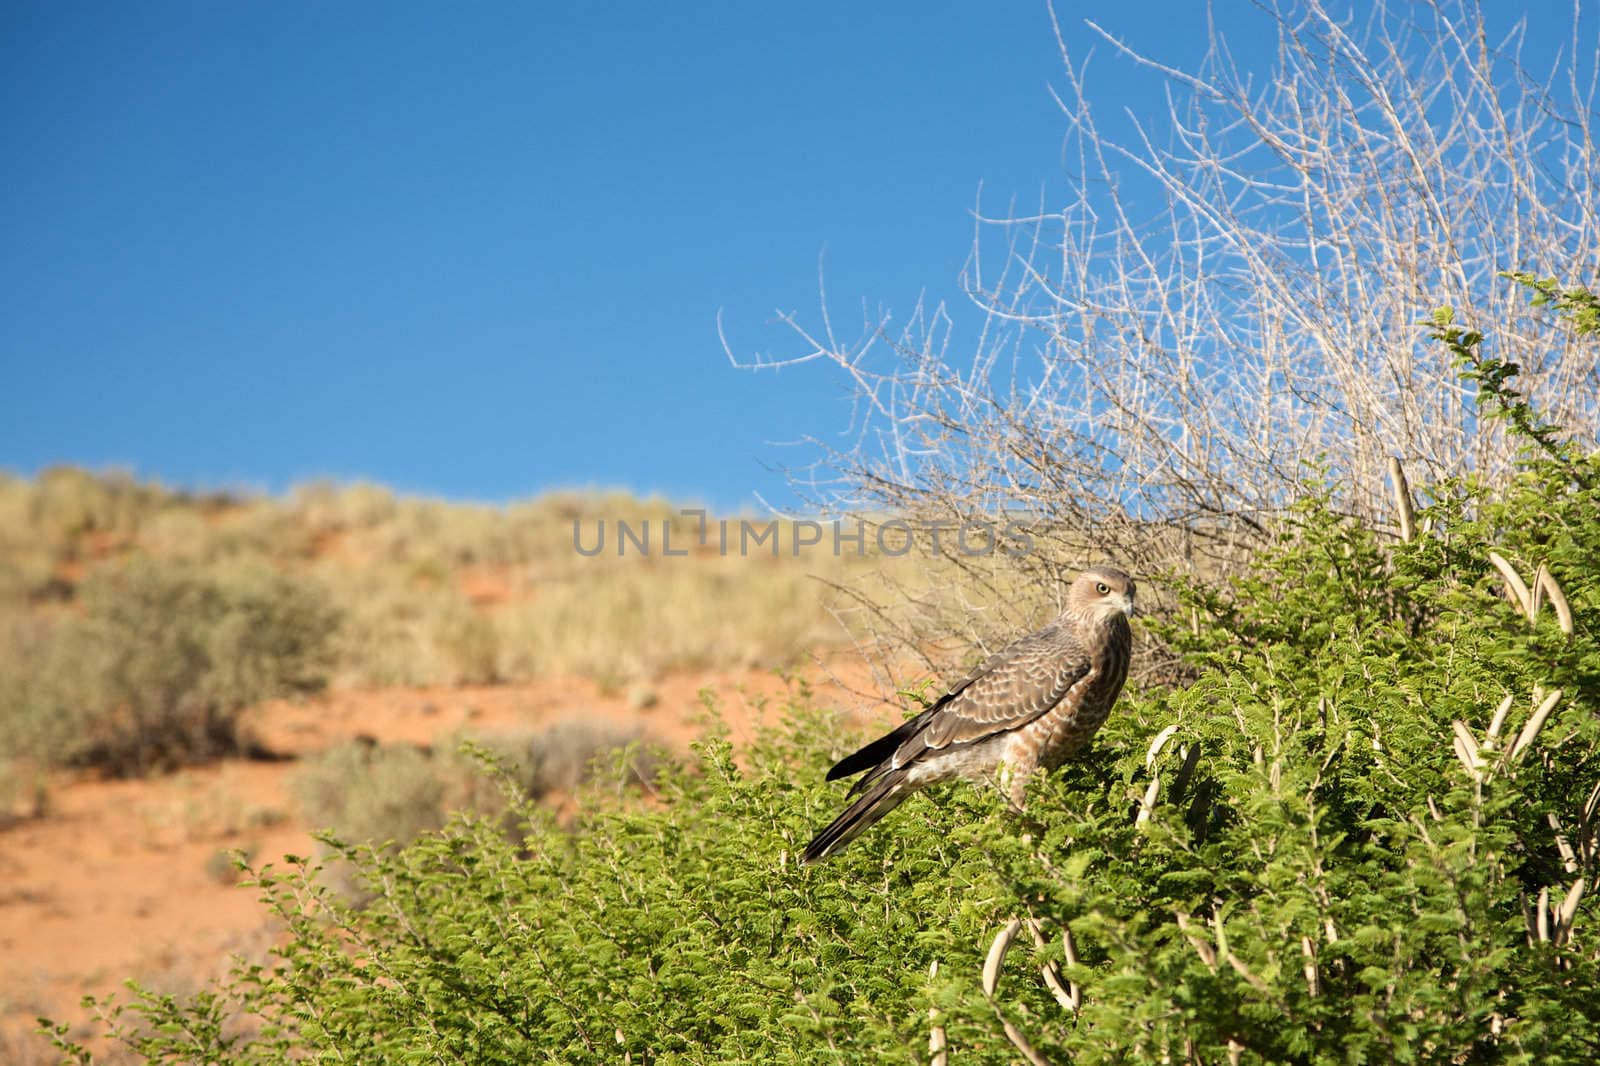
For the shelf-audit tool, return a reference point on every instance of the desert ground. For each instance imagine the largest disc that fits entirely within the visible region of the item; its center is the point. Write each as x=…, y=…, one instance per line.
x=125, y=879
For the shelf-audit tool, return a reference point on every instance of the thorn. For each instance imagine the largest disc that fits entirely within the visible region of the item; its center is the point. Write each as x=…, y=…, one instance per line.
x=1558, y=601
x=997, y=955
x=1514, y=584
x=1402, y=500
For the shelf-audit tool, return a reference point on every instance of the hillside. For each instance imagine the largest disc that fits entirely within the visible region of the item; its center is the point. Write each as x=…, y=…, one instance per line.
x=183, y=676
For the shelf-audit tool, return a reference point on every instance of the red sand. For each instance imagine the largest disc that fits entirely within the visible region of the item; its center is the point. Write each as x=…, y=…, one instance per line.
x=122, y=879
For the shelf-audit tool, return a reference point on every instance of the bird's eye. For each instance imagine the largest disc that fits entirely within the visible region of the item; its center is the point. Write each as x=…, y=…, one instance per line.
x=1100, y=587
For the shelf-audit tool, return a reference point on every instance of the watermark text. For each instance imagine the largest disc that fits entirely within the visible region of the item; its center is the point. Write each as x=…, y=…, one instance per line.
x=775, y=537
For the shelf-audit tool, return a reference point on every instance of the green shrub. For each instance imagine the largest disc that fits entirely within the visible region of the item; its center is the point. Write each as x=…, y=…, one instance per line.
x=1308, y=870
x=1366, y=832
x=411, y=628
x=559, y=758
x=68, y=502
x=471, y=644
x=376, y=795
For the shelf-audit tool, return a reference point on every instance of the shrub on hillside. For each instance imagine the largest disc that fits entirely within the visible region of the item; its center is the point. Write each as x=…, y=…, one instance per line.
x=385, y=795
x=409, y=629
x=157, y=669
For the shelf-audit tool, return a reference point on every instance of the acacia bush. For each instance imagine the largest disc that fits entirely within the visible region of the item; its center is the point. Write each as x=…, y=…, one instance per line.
x=1365, y=831
x=1365, y=826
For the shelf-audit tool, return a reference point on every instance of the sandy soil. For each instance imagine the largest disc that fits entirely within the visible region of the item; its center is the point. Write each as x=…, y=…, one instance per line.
x=127, y=879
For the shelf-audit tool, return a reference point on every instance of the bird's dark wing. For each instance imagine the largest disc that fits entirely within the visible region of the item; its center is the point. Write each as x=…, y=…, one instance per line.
x=1021, y=683
x=1013, y=687
x=879, y=750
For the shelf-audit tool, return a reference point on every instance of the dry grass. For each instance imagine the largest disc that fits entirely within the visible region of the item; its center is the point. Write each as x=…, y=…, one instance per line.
x=115, y=597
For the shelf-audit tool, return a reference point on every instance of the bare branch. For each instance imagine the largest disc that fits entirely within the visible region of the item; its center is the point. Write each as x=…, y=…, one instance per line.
x=1229, y=294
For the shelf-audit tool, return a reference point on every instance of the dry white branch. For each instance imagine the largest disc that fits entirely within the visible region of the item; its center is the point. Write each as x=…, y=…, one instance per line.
x=1228, y=291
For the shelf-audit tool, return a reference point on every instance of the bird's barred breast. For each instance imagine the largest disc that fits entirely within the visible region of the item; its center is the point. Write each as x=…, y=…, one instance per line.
x=1074, y=721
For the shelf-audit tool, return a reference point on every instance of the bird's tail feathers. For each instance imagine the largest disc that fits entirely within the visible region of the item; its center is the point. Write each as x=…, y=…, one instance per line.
x=879, y=751
x=885, y=795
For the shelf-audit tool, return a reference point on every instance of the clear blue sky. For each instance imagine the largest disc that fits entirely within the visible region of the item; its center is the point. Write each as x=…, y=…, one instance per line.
x=478, y=250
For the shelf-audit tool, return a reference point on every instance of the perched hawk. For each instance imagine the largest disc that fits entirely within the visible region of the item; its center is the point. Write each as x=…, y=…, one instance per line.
x=1031, y=706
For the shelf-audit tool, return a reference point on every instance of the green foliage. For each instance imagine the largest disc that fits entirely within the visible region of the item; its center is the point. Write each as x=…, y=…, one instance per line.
x=1493, y=373
x=1318, y=875
x=1329, y=821
x=1579, y=306
x=684, y=932
x=372, y=793
x=1365, y=832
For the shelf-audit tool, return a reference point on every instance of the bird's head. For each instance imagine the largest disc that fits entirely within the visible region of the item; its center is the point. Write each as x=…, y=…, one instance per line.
x=1101, y=593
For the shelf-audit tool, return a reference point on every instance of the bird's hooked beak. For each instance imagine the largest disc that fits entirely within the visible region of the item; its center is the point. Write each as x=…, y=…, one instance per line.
x=1120, y=603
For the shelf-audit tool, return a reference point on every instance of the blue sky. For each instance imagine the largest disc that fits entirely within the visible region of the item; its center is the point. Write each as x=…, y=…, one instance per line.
x=478, y=250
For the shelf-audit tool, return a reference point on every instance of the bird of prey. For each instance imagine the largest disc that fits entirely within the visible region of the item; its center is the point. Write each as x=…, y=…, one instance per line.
x=1031, y=706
